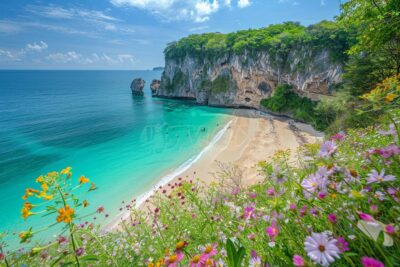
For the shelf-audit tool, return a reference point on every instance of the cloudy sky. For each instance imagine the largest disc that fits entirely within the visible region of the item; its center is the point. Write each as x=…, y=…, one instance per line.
x=129, y=34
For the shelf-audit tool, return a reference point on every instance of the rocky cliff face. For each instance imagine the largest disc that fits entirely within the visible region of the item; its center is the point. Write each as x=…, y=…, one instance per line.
x=244, y=80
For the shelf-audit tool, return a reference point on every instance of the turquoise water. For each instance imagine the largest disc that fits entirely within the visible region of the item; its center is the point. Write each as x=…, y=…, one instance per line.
x=89, y=120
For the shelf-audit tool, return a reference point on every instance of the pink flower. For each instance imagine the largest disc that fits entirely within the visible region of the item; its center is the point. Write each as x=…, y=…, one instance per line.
x=339, y=136
x=251, y=236
x=79, y=252
x=210, y=250
x=342, y=244
x=249, y=212
x=373, y=209
x=332, y=218
x=389, y=229
x=298, y=261
x=292, y=207
x=371, y=262
x=252, y=195
x=366, y=217
x=173, y=260
x=272, y=230
x=270, y=191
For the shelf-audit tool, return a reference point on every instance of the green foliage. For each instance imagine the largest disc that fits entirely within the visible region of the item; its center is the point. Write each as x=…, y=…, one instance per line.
x=220, y=85
x=236, y=253
x=276, y=39
x=286, y=101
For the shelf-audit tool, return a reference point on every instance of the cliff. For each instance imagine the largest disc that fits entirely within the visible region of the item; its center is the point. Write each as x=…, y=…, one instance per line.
x=242, y=78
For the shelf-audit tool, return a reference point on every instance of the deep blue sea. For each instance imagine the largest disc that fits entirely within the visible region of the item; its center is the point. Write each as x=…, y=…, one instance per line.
x=90, y=121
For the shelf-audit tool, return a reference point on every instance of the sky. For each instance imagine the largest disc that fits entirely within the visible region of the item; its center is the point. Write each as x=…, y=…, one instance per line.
x=130, y=34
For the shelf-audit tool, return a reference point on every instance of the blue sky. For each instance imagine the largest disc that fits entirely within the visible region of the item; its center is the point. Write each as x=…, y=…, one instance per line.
x=129, y=34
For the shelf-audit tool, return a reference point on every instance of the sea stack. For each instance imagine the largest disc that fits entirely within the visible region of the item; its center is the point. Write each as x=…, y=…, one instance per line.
x=137, y=86
x=155, y=84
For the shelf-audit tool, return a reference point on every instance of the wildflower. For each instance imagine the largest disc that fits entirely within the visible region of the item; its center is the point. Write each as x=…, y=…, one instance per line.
x=85, y=203
x=278, y=176
x=375, y=177
x=25, y=212
x=83, y=180
x=100, y=209
x=25, y=235
x=252, y=195
x=327, y=149
x=30, y=192
x=339, y=136
x=62, y=240
x=321, y=249
x=390, y=229
x=180, y=245
x=195, y=261
x=272, y=230
x=209, y=251
x=1, y=256
x=332, y=218
x=391, y=131
x=366, y=217
x=92, y=187
x=249, y=212
x=390, y=97
x=173, y=260
x=66, y=170
x=255, y=260
x=298, y=261
x=371, y=262
x=65, y=214
x=79, y=251
x=342, y=244
x=313, y=183
x=251, y=236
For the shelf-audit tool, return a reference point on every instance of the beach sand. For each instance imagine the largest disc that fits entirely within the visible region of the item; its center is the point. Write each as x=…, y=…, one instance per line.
x=250, y=138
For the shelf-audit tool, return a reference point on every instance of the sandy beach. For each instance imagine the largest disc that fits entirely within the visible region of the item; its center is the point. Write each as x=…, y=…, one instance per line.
x=251, y=137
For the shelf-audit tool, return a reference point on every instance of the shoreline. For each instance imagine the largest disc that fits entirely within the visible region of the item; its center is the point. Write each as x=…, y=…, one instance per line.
x=249, y=137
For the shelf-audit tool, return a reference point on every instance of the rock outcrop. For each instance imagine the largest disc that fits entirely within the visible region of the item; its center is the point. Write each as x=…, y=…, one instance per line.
x=244, y=80
x=154, y=86
x=137, y=86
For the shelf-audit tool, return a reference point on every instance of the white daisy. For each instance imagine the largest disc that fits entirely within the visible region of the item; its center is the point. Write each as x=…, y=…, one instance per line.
x=321, y=249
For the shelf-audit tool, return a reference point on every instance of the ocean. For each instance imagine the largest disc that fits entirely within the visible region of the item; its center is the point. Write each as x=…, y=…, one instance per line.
x=90, y=121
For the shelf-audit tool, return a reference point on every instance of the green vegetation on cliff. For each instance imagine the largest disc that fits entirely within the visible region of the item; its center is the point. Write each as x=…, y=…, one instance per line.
x=276, y=39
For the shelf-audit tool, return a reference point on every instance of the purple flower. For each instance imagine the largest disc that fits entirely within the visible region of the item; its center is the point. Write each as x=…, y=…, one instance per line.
x=79, y=252
x=249, y=212
x=332, y=218
x=327, y=149
x=391, y=131
x=321, y=249
x=298, y=261
x=389, y=229
x=314, y=184
x=255, y=260
x=252, y=195
x=270, y=191
x=375, y=177
x=371, y=262
x=342, y=244
x=366, y=217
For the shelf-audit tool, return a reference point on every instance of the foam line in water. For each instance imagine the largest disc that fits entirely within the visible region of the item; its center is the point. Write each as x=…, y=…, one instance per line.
x=181, y=169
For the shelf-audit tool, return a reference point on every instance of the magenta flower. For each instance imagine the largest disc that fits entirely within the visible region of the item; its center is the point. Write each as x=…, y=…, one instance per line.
x=375, y=177
x=327, y=149
x=339, y=136
x=251, y=236
x=270, y=191
x=249, y=212
x=210, y=250
x=389, y=229
x=79, y=251
x=292, y=207
x=342, y=244
x=366, y=217
x=272, y=230
x=321, y=249
x=298, y=261
x=371, y=262
x=332, y=218
x=373, y=209
x=252, y=195
x=173, y=260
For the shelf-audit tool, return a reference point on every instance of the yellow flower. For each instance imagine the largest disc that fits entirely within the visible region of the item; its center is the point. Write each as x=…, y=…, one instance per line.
x=29, y=192
x=67, y=172
x=85, y=203
x=160, y=262
x=25, y=212
x=52, y=174
x=39, y=179
x=390, y=97
x=45, y=187
x=92, y=187
x=150, y=264
x=83, y=180
x=48, y=197
x=65, y=214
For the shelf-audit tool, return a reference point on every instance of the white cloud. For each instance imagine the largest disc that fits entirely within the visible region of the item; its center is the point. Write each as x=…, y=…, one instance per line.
x=76, y=58
x=37, y=47
x=195, y=10
x=6, y=55
x=9, y=27
x=243, y=3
